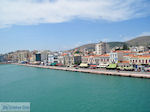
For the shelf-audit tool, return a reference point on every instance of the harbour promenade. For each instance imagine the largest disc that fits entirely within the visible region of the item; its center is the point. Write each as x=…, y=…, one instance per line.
x=96, y=71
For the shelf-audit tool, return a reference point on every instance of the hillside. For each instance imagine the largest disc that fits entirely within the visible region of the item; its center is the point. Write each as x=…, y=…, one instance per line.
x=143, y=40
x=92, y=45
x=87, y=46
x=114, y=44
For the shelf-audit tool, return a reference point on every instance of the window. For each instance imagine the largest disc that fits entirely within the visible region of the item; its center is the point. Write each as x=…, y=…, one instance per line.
x=142, y=61
x=146, y=61
x=139, y=61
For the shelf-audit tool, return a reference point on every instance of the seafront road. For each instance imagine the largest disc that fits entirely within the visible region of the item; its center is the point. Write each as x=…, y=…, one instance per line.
x=96, y=71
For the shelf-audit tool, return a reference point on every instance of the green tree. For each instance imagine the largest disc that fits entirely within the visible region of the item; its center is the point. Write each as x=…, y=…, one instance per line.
x=125, y=47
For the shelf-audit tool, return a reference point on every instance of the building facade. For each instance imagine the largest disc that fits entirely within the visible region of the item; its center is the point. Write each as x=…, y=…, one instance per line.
x=140, y=60
x=101, y=48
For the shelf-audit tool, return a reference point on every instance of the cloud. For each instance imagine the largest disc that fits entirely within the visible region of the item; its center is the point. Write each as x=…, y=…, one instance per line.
x=28, y=12
x=145, y=34
x=126, y=38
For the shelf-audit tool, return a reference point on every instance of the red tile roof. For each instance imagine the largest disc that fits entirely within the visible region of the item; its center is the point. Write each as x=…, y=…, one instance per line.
x=64, y=54
x=141, y=56
x=104, y=55
x=123, y=51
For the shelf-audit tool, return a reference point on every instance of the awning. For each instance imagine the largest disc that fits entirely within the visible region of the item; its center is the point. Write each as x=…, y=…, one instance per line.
x=83, y=65
x=112, y=66
x=120, y=68
x=93, y=65
x=103, y=65
x=128, y=68
x=59, y=64
x=53, y=64
x=147, y=68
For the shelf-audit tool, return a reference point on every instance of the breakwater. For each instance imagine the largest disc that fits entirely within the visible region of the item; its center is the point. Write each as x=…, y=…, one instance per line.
x=95, y=71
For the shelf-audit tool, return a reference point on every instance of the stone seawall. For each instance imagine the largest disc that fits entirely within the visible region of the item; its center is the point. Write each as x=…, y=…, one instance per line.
x=95, y=71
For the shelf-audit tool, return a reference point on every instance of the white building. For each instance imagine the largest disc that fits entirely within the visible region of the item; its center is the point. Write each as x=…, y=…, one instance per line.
x=138, y=48
x=115, y=57
x=101, y=48
x=52, y=58
x=118, y=56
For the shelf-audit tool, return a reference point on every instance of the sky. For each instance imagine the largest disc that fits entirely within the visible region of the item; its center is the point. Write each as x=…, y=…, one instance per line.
x=65, y=24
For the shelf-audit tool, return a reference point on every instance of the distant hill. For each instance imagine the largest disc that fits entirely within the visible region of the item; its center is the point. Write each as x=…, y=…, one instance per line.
x=143, y=40
x=92, y=45
x=87, y=46
x=114, y=44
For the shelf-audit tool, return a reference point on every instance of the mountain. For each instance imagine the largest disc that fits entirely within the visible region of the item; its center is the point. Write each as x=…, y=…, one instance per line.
x=87, y=46
x=114, y=44
x=143, y=40
x=92, y=46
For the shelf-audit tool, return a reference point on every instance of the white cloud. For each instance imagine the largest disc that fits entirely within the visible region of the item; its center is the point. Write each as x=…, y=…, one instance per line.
x=28, y=12
x=126, y=38
x=145, y=34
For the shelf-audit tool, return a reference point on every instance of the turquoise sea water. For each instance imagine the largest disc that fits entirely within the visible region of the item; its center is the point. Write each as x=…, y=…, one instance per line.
x=63, y=91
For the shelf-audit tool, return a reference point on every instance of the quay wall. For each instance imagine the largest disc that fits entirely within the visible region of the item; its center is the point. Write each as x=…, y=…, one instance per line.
x=93, y=71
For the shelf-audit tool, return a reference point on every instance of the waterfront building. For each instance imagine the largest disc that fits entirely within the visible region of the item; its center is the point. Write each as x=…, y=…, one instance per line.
x=124, y=64
x=91, y=60
x=14, y=57
x=115, y=57
x=11, y=57
x=38, y=57
x=77, y=59
x=23, y=56
x=18, y=56
x=61, y=59
x=101, y=48
x=85, y=59
x=140, y=59
x=68, y=60
x=98, y=60
x=53, y=58
x=2, y=58
x=56, y=59
x=118, y=56
x=103, y=60
x=44, y=56
x=50, y=58
x=32, y=57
